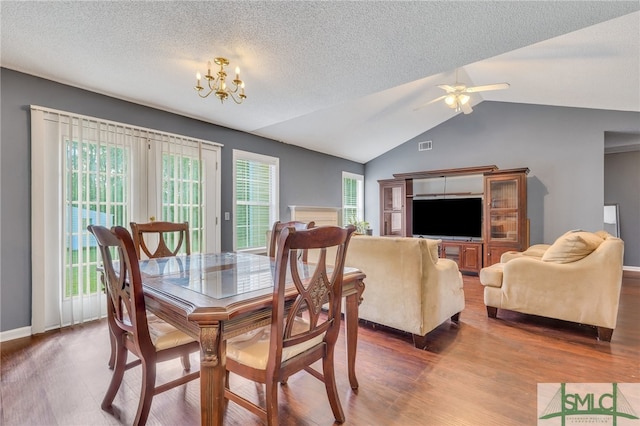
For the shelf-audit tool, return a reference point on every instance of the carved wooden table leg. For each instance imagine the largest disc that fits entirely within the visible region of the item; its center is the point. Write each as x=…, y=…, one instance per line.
x=351, y=325
x=212, y=374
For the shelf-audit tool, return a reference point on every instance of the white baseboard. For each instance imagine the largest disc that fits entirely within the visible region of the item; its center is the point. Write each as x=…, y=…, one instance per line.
x=16, y=333
x=631, y=268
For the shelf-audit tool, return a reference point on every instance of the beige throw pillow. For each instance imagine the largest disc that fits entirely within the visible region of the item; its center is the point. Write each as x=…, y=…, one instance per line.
x=572, y=246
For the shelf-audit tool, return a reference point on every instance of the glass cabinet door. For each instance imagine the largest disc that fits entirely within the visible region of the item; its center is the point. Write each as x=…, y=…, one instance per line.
x=392, y=197
x=392, y=207
x=503, y=214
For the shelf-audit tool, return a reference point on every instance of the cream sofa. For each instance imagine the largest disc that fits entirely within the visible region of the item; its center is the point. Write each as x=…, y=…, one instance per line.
x=577, y=278
x=407, y=286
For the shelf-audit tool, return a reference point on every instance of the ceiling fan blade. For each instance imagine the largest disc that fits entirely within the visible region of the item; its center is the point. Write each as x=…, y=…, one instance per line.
x=430, y=102
x=497, y=86
x=447, y=87
x=466, y=108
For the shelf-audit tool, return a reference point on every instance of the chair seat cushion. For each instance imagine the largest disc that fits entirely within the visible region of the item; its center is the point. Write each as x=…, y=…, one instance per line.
x=492, y=275
x=252, y=348
x=572, y=246
x=164, y=335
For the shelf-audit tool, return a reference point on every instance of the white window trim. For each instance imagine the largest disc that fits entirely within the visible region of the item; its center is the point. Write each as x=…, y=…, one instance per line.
x=252, y=156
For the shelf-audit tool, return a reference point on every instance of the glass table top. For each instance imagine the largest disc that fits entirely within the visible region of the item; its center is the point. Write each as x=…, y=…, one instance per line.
x=217, y=275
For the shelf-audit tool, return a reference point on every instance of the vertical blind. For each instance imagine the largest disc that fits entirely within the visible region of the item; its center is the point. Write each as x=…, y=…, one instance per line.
x=97, y=190
x=182, y=187
x=91, y=171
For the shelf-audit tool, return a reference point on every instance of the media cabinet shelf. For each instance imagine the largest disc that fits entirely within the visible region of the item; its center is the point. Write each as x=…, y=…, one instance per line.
x=504, y=194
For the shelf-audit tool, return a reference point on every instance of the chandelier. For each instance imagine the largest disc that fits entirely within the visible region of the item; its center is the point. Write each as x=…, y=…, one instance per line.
x=217, y=83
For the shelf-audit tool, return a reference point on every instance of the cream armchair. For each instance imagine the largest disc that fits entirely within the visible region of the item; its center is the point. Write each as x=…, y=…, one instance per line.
x=408, y=287
x=577, y=278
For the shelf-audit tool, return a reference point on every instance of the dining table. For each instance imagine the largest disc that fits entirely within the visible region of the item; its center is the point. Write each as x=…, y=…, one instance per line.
x=216, y=296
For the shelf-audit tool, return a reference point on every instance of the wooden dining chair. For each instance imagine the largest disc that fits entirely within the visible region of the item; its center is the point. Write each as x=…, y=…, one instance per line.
x=149, y=338
x=161, y=230
x=300, y=335
x=275, y=235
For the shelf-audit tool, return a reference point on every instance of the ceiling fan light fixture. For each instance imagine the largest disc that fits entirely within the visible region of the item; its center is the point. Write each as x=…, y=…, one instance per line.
x=457, y=96
x=450, y=100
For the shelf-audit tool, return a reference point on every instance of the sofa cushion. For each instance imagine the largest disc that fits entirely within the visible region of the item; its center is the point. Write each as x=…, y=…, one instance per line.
x=603, y=234
x=572, y=246
x=536, y=250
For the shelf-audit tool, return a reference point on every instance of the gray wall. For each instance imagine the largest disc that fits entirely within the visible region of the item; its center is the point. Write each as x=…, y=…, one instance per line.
x=563, y=148
x=307, y=177
x=622, y=187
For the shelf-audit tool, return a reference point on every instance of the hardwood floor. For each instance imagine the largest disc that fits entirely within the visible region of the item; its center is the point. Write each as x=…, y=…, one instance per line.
x=482, y=372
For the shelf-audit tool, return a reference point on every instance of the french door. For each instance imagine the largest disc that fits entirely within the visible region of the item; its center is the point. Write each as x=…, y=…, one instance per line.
x=89, y=171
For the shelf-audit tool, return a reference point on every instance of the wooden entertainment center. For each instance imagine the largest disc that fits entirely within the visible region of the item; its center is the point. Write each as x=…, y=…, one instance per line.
x=504, y=210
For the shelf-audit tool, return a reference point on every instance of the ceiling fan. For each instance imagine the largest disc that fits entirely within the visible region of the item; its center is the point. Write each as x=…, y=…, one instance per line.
x=457, y=96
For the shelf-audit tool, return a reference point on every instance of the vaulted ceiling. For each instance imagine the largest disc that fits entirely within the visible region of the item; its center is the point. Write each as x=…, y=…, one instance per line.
x=343, y=78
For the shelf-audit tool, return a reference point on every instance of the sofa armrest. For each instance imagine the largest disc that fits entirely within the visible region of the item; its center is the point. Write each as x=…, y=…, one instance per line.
x=491, y=276
x=442, y=292
x=448, y=271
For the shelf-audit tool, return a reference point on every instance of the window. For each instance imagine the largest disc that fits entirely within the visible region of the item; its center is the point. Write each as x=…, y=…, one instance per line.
x=91, y=171
x=255, y=195
x=96, y=192
x=185, y=184
x=352, y=197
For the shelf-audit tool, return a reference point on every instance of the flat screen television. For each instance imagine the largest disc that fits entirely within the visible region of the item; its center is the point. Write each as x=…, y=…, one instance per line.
x=448, y=217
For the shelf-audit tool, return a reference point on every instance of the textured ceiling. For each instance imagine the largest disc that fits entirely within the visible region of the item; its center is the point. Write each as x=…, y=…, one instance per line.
x=342, y=78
